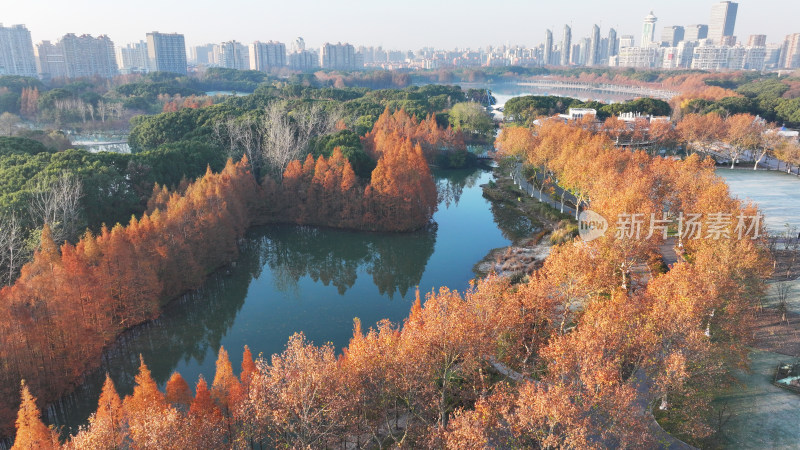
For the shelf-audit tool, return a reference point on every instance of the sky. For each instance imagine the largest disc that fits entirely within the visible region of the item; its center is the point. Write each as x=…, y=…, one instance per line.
x=397, y=24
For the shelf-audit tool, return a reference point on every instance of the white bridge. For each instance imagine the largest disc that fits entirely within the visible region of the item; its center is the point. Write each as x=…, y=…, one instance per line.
x=638, y=91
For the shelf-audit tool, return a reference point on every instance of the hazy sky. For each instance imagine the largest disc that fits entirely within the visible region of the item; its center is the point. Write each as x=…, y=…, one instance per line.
x=396, y=24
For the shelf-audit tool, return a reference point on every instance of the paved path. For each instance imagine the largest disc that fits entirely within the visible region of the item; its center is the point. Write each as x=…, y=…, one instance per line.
x=533, y=191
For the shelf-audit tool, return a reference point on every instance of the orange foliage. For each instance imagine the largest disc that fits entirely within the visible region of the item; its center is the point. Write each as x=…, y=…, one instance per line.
x=573, y=342
x=32, y=434
x=425, y=133
x=179, y=103
x=400, y=197
x=66, y=306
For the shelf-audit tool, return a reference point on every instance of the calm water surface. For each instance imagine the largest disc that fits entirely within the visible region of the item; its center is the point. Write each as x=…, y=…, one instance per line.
x=777, y=194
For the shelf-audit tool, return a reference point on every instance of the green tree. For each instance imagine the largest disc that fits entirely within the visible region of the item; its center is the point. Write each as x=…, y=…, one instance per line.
x=472, y=119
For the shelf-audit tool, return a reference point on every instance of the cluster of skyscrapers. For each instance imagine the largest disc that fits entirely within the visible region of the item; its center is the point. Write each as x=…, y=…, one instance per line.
x=589, y=51
x=708, y=47
x=711, y=46
x=86, y=56
x=267, y=56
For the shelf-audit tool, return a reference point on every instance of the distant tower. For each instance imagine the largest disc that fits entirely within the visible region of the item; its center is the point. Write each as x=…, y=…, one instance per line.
x=566, y=45
x=670, y=36
x=16, y=51
x=594, y=47
x=757, y=40
x=167, y=52
x=626, y=41
x=723, y=20
x=695, y=32
x=649, y=29
x=298, y=45
x=548, y=47
x=613, y=43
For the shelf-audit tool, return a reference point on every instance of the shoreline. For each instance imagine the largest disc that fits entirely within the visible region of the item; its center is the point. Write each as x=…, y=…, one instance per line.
x=525, y=254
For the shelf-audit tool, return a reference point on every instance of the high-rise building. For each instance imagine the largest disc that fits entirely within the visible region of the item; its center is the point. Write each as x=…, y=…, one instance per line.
x=581, y=52
x=298, y=45
x=77, y=57
x=593, y=58
x=711, y=57
x=626, y=41
x=133, y=58
x=773, y=56
x=16, y=51
x=232, y=55
x=303, y=60
x=790, y=54
x=754, y=57
x=86, y=56
x=757, y=40
x=678, y=57
x=613, y=43
x=695, y=32
x=640, y=57
x=575, y=54
x=50, y=60
x=267, y=55
x=723, y=21
x=338, y=56
x=649, y=29
x=566, y=46
x=548, y=48
x=167, y=52
x=202, y=55
x=670, y=36
x=603, y=52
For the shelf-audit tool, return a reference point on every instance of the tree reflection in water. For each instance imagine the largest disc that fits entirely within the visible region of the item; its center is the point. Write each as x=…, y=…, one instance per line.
x=334, y=257
x=452, y=186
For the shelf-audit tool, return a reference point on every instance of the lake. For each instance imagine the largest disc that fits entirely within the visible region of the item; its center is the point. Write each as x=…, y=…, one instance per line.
x=775, y=193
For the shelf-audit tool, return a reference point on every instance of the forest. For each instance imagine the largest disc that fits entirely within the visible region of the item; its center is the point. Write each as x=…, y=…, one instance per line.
x=553, y=361
x=122, y=276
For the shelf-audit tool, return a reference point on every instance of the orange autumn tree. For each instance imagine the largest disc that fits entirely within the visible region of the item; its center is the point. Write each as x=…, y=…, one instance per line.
x=177, y=392
x=68, y=303
x=32, y=434
x=431, y=138
x=401, y=194
x=107, y=426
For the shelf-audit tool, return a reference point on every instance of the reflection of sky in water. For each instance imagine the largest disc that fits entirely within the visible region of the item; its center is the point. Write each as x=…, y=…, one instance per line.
x=775, y=193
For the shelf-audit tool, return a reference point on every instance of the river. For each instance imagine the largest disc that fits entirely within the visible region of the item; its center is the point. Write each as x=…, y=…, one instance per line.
x=302, y=279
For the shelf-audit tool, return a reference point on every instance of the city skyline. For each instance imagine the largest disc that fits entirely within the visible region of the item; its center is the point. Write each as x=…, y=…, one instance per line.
x=441, y=25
